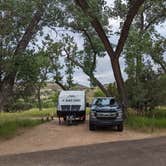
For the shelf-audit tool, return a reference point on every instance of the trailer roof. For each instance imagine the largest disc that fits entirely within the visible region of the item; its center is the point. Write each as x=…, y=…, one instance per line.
x=71, y=92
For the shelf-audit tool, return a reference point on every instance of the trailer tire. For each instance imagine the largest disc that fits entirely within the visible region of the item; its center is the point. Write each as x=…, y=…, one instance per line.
x=92, y=127
x=64, y=118
x=84, y=118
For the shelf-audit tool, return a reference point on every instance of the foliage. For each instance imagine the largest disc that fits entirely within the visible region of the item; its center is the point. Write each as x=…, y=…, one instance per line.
x=148, y=91
x=112, y=88
x=143, y=50
x=18, y=105
x=26, y=70
x=54, y=98
x=98, y=93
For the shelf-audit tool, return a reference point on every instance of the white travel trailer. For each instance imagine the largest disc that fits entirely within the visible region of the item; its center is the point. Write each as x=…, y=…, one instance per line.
x=71, y=105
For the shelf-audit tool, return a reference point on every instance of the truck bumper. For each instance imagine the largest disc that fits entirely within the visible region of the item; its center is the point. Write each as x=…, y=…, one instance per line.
x=97, y=122
x=71, y=113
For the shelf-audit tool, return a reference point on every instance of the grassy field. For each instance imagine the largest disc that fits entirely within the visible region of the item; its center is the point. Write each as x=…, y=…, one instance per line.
x=149, y=122
x=10, y=123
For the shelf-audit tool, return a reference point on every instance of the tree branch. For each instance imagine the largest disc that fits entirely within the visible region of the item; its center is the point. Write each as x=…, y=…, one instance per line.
x=97, y=25
x=91, y=75
x=126, y=26
x=63, y=87
x=72, y=60
x=29, y=32
x=10, y=77
x=152, y=21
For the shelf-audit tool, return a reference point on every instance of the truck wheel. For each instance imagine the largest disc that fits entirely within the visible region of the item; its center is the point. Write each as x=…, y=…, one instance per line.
x=92, y=127
x=120, y=127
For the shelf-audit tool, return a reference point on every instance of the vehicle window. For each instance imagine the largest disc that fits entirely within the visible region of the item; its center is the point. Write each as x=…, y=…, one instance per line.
x=104, y=102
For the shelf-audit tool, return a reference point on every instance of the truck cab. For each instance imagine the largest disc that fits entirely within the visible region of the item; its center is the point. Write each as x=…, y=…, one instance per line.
x=105, y=111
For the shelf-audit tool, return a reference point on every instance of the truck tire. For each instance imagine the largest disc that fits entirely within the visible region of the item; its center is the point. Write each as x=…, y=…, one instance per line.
x=120, y=127
x=92, y=127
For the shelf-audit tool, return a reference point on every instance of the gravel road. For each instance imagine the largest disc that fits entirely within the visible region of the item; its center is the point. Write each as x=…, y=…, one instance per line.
x=147, y=152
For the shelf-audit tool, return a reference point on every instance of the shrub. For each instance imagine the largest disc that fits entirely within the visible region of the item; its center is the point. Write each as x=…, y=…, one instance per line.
x=18, y=106
x=98, y=93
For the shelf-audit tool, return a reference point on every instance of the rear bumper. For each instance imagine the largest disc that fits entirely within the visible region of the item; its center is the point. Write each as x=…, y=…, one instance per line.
x=113, y=122
x=71, y=113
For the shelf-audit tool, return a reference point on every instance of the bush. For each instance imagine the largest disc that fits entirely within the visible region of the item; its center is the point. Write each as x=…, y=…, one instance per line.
x=47, y=104
x=54, y=98
x=18, y=106
x=147, y=122
x=158, y=113
x=98, y=93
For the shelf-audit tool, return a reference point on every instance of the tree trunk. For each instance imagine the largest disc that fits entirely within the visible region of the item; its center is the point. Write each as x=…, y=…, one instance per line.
x=63, y=87
x=5, y=94
x=119, y=81
x=114, y=55
x=39, y=98
x=90, y=75
x=2, y=102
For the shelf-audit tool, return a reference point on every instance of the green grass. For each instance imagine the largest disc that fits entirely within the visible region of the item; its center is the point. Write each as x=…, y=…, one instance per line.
x=159, y=112
x=11, y=123
x=27, y=114
x=150, y=122
x=9, y=129
x=87, y=111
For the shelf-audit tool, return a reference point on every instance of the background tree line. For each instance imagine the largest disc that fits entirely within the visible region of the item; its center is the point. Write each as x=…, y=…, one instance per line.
x=30, y=56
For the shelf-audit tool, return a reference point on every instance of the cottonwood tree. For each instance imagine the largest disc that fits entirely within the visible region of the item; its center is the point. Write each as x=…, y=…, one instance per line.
x=157, y=52
x=42, y=65
x=144, y=42
x=147, y=40
x=133, y=8
x=19, y=23
x=13, y=43
x=34, y=69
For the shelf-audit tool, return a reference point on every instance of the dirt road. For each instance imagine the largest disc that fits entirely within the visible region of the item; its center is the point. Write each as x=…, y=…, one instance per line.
x=52, y=136
x=147, y=152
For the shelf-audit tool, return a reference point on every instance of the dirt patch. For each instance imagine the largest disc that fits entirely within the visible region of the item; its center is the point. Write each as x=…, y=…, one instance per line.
x=52, y=136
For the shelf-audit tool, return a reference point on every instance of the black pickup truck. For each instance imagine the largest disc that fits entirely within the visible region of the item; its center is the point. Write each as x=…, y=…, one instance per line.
x=105, y=111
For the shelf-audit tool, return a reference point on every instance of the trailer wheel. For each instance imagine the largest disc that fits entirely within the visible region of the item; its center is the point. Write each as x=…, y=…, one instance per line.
x=84, y=118
x=64, y=118
x=92, y=127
